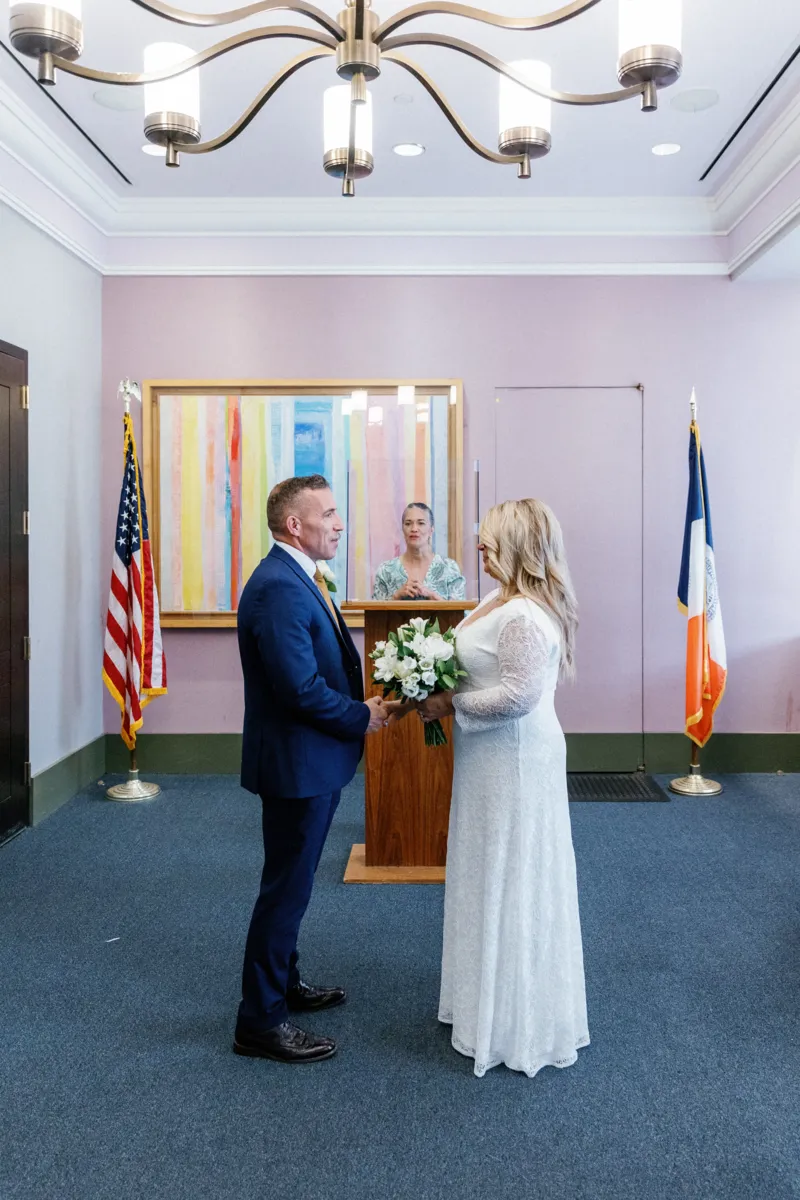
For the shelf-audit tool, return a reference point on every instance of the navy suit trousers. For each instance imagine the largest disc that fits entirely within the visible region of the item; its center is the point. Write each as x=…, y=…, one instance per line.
x=294, y=835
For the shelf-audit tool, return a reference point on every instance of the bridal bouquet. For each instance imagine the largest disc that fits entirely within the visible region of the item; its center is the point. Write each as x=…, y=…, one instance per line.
x=417, y=661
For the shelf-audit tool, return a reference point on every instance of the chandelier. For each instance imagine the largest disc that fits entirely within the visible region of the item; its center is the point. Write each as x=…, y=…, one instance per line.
x=649, y=59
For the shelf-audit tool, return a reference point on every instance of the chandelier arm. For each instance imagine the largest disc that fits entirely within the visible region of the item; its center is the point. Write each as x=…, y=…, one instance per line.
x=197, y=60
x=261, y=99
x=204, y=20
x=413, y=69
x=497, y=64
x=523, y=24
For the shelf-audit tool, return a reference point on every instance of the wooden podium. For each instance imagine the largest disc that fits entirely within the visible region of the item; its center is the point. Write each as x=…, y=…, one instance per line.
x=408, y=784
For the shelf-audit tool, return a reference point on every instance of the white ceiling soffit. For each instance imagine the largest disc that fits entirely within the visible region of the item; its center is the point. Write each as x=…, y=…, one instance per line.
x=444, y=213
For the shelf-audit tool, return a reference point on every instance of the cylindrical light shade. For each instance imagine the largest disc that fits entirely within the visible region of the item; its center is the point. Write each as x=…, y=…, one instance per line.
x=520, y=108
x=180, y=95
x=336, y=135
x=649, y=23
x=336, y=120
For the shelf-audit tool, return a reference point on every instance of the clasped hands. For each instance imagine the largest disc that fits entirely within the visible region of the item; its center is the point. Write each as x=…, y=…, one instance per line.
x=433, y=709
x=388, y=712
x=415, y=591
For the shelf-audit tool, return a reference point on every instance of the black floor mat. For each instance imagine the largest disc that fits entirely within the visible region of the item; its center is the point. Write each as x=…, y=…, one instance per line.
x=605, y=786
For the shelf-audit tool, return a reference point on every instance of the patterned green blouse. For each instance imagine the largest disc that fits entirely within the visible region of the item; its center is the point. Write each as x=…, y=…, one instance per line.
x=444, y=577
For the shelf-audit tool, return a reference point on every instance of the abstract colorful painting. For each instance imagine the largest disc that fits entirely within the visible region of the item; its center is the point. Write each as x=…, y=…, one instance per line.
x=215, y=459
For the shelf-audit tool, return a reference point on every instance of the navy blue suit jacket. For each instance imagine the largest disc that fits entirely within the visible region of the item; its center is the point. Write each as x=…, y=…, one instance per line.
x=304, y=711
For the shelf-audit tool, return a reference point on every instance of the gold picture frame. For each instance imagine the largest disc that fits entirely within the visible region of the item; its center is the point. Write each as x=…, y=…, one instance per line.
x=154, y=389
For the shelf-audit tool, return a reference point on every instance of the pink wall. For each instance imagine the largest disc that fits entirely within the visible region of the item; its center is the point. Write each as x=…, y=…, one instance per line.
x=739, y=344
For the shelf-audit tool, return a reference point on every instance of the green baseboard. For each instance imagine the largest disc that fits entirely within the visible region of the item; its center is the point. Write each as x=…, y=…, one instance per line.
x=604, y=751
x=659, y=753
x=53, y=787
x=178, y=753
x=220, y=754
x=727, y=753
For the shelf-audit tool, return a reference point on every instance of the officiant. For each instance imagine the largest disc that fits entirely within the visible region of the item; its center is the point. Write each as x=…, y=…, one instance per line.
x=419, y=573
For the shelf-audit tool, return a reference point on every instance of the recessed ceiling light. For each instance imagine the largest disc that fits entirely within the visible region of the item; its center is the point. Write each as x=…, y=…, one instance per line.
x=695, y=100
x=156, y=151
x=404, y=98
x=666, y=148
x=408, y=149
x=120, y=99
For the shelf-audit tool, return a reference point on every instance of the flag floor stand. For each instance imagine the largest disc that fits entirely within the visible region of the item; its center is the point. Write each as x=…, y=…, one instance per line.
x=134, y=789
x=695, y=784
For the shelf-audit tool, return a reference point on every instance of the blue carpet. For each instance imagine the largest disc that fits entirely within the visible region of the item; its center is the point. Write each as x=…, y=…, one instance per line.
x=117, y=1078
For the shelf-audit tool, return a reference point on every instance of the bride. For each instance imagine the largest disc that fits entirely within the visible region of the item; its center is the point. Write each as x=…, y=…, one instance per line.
x=512, y=964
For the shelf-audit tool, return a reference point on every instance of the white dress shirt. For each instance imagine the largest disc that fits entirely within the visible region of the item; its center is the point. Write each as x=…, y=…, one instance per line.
x=299, y=556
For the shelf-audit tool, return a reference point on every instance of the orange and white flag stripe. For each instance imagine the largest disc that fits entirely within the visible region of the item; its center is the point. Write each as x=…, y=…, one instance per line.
x=706, y=661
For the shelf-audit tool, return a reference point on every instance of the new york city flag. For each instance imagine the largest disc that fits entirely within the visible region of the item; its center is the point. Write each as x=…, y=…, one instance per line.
x=706, y=663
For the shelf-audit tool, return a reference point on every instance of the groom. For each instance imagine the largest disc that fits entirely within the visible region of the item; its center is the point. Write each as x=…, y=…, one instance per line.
x=304, y=724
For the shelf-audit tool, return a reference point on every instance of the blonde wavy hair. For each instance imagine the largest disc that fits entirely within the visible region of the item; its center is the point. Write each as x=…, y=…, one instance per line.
x=524, y=548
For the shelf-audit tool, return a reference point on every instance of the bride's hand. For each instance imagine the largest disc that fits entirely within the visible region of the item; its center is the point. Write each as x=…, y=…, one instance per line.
x=437, y=706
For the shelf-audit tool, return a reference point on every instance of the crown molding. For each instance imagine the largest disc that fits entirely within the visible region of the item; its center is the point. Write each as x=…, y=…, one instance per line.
x=77, y=248
x=414, y=216
x=759, y=170
x=50, y=184
x=769, y=237
x=490, y=269
x=30, y=140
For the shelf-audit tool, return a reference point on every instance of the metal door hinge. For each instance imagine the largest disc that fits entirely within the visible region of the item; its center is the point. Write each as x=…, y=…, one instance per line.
x=26, y=523
x=26, y=774
x=24, y=397
x=26, y=649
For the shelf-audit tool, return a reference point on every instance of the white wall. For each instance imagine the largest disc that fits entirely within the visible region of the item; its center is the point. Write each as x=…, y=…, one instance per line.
x=50, y=305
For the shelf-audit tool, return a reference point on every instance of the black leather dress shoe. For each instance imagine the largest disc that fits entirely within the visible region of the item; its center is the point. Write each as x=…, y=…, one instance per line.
x=284, y=1043
x=305, y=998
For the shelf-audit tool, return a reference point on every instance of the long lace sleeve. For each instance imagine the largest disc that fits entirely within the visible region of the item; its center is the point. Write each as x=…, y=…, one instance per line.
x=522, y=654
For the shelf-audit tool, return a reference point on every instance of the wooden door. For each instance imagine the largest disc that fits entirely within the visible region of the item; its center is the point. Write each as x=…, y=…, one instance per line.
x=14, y=766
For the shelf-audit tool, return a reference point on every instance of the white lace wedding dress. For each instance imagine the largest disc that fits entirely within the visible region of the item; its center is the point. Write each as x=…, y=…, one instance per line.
x=512, y=963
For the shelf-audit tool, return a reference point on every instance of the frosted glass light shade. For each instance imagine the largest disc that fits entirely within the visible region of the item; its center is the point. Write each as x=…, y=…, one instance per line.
x=180, y=95
x=520, y=108
x=649, y=23
x=336, y=120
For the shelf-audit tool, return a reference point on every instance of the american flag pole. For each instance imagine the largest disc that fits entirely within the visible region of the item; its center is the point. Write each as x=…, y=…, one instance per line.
x=134, y=789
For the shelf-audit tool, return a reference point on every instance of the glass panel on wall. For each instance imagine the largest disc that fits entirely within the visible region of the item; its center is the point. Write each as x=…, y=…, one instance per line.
x=215, y=453
x=400, y=456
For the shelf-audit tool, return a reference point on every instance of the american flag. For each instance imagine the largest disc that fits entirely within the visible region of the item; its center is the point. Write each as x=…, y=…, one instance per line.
x=134, y=667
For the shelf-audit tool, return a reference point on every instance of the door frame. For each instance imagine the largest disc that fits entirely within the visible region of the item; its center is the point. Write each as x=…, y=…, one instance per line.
x=19, y=599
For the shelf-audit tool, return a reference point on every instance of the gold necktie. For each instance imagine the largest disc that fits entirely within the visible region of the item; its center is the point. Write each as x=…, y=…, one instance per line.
x=319, y=580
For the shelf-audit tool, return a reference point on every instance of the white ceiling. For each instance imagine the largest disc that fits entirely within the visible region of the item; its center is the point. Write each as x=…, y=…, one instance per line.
x=733, y=46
